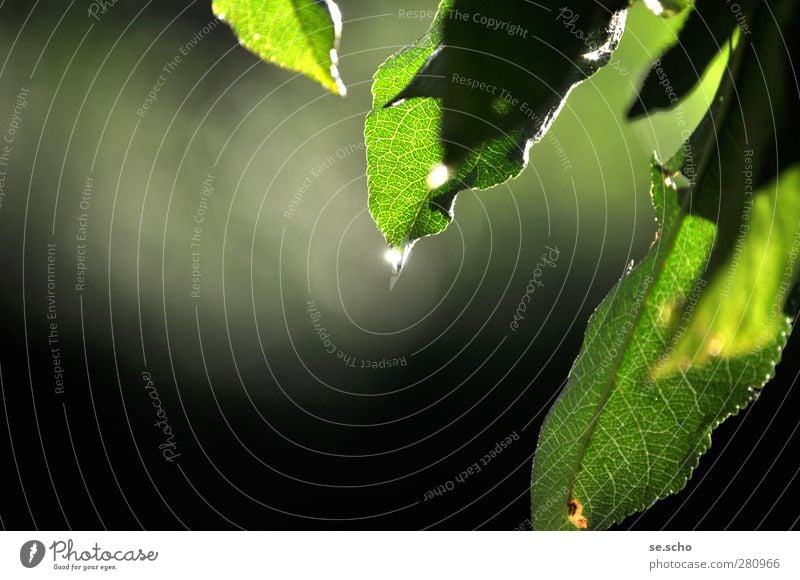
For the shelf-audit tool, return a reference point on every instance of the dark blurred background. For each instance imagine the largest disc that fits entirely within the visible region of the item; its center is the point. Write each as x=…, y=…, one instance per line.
x=160, y=365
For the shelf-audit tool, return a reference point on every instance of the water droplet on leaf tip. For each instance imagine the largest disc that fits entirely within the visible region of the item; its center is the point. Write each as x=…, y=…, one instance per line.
x=397, y=257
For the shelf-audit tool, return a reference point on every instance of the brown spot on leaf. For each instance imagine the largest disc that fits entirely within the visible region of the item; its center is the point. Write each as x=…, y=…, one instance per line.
x=575, y=513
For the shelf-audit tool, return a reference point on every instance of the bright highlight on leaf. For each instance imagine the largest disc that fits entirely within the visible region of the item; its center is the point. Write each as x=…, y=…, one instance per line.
x=299, y=35
x=655, y=7
x=668, y=7
x=438, y=176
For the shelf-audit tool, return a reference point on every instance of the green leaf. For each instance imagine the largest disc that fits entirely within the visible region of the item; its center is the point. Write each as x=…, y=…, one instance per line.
x=741, y=312
x=511, y=64
x=688, y=337
x=705, y=34
x=299, y=35
x=403, y=147
x=668, y=7
x=411, y=191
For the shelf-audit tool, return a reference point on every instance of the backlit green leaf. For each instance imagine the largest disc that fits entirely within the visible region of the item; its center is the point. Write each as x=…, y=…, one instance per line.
x=508, y=65
x=431, y=134
x=299, y=35
x=706, y=32
x=690, y=336
x=403, y=147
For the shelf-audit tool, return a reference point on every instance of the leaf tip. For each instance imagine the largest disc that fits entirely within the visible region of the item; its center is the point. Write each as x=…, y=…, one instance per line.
x=636, y=110
x=335, y=84
x=397, y=258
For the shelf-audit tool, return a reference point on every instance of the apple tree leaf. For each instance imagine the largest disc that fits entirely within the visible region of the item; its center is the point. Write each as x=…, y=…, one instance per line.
x=418, y=158
x=298, y=35
x=690, y=336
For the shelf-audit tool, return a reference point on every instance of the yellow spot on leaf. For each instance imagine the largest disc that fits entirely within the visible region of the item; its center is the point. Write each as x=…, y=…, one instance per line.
x=575, y=514
x=715, y=345
x=665, y=314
